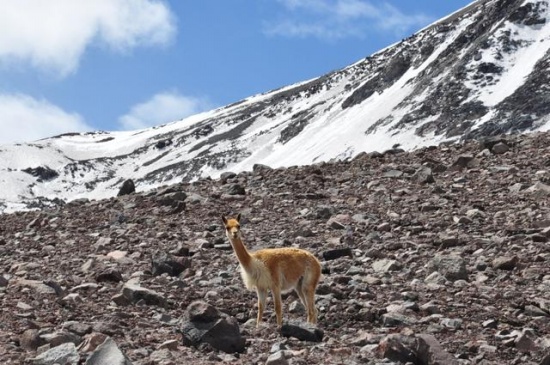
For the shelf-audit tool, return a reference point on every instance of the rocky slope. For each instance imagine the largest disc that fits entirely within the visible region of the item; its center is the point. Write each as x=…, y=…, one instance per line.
x=479, y=72
x=436, y=256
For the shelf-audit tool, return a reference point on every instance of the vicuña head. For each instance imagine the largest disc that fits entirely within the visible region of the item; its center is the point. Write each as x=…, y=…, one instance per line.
x=277, y=270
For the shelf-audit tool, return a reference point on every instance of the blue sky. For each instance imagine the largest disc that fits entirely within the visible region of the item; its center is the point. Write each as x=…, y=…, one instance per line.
x=112, y=65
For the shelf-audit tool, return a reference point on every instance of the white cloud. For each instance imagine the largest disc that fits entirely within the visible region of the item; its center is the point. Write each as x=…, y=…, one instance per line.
x=337, y=19
x=162, y=108
x=24, y=119
x=54, y=34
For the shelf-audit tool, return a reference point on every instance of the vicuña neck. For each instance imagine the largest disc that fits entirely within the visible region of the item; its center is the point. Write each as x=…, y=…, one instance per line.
x=240, y=250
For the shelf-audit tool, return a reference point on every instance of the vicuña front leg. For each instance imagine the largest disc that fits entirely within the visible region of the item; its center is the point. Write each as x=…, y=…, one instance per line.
x=262, y=295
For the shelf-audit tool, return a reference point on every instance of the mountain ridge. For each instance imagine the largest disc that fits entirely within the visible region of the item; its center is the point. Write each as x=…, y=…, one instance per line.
x=481, y=71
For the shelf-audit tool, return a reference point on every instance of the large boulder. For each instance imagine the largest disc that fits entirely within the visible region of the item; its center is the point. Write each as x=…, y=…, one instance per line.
x=453, y=267
x=204, y=323
x=64, y=354
x=108, y=353
x=128, y=187
x=166, y=263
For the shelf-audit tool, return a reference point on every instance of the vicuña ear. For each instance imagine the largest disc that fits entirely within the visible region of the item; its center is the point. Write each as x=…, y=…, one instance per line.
x=224, y=219
x=239, y=217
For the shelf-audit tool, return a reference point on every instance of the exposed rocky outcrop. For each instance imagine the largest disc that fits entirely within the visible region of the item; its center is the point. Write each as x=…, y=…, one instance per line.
x=42, y=173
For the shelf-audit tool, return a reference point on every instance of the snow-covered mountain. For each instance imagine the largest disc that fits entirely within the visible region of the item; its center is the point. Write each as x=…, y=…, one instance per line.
x=484, y=70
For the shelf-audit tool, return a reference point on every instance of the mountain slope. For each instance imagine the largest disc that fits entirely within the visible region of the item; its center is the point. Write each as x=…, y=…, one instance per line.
x=481, y=71
x=463, y=259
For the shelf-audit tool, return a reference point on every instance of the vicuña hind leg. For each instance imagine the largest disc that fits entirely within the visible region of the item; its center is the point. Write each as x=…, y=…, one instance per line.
x=300, y=291
x=262, y=295
x=278, y=305
x=310, y=305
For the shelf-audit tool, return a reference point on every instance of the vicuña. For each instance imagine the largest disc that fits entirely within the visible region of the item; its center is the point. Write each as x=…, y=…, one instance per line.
x=276, y=269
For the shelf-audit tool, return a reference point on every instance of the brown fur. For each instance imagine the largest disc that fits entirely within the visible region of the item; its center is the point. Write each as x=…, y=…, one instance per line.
x=277, y=270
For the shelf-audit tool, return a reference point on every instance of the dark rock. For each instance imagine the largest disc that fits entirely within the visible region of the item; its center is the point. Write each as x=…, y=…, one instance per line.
x=203, y=131
x=226, y=176
x=180, y=207
x=121, y=300
x=172, y=199
x=490, y=142
x=202, y=312
x=449, y=241
x=163, y=143
x=362, y=93
x=384, y=227
x=537, y=237
x=235, y=189
x=42, y=173
x=79, y=328
x=203, y=323
x=500, y=148
x=505, y=262
x=323, y=212
x=169, y=264
x=55, y=286
x=259, y=168
x=429, y=207
x=128, y=187
x=302, y=331
x=464, y=161
x=304, y=232
x=394, y=151
x=489, y=68
x=30, y=340
x=490, y=323
x=110, y=274
x=337, y=253
x=135, y=293
x=534, y=311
